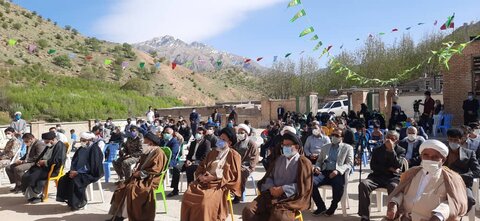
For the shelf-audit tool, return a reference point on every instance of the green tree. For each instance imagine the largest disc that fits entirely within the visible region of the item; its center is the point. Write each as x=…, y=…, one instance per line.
x=62, y=61
x=68, y=27
x=42, y=43
x=17, y=26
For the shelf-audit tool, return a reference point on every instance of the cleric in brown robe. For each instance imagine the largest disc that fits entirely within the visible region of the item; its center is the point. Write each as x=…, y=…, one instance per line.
x=217, y=175
x=286, y=187
x=134, y=198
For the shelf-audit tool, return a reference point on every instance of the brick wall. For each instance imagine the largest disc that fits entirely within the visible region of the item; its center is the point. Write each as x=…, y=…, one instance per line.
x=457, y=81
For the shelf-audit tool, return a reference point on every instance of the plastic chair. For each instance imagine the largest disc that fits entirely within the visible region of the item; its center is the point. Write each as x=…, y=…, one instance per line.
x=298, y=215
x=113, y=148
x=345, y=200
x=99, y=188
x=229, y=199
x=250, y=178
x=3, y=171
x=381, y=191
x=436, y=123
x=471, y=213
x=161, y=185
x=50, y=178
x=447, y=124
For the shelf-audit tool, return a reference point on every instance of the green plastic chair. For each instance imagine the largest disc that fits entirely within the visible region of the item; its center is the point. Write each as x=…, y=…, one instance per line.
x=161, y=187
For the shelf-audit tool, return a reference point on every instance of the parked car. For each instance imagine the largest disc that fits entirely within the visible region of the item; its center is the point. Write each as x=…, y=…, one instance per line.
x=337, y=107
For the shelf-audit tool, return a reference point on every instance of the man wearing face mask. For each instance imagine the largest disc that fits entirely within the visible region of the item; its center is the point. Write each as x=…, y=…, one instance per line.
x=411, y=144
x=11, y=148
x=16, y=170
x=171, y=142
x=86, y=168
x=129, y=155
x=422, y=192
x=185, y=130
x=385, y=164
x=463, y=161
x=470, y=109
x=248, y=150
x=34, y=179
x=315, y=142
x=210, y=134
x=194, y=120
x=217, y=175
x=127, y=127
x=18, y=124
x=286, y=187
x=198, y=150
x=334, y=161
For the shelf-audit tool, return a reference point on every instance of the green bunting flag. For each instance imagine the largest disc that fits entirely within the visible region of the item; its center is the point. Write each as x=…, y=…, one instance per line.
x=318, y=46
x=294, y=3
x=12, y=42
x=314, y=38
x=381, y=33
x=107, y=62
x=51, y=51
x=307, y=31
x=142, y=64
x=188, y=64
x=299, y=14
x=286, y=56
x=219, y=63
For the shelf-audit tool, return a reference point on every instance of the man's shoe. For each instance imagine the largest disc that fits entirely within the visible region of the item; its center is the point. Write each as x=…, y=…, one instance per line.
x=330, y=211
x=364, y=219
x=35, y=200
x=318, y=212
x=236, y=200
x=173, y=193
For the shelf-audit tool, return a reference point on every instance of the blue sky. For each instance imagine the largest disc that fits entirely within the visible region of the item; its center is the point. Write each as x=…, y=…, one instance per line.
x=254, y=28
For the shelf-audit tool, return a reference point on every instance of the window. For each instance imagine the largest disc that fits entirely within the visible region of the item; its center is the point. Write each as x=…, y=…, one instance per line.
x=345, y=103
x=427, y=85
x=328, y=105
x=336, y=104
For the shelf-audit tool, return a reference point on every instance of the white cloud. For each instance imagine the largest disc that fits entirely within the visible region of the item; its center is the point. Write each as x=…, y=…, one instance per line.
x=190, y=20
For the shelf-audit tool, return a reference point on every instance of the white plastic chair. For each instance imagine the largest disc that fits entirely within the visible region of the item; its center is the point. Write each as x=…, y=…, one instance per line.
x=4, y=172
x=381, y=191
x=90, y=186
x=345, y=200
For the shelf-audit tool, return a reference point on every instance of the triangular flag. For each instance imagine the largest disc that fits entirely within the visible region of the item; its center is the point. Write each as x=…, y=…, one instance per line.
x=341, y=46
x=381, y=33
x=174, y=65
x=247, y=60
x=293, y=3
x=259, y=59
x=219, y=63
x=51, y=51
x=12, y=42
x=32, y=48
x=395, y=29
x=307, y=31
x=107, y=61
x=449, y=23
x=421, y=23
x=314, y=38
x=89, y=57
x=329, y=47
x=288, y=54
x=72, y=55
x=358, y=39
x=188, y=64
x=318, y=46
x=141, y=65
x=435, y=23
x=299, y=14
x=124, y=64
x=275, y=58
x=408, y=28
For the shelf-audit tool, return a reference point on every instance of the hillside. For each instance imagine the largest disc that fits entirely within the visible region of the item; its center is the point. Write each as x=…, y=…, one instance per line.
x=63, y=52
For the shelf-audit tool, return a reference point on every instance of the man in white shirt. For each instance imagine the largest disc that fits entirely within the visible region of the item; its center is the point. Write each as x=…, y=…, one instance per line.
x=150, y=115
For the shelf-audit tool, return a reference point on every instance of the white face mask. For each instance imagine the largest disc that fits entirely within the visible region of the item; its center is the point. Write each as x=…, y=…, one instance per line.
x=431, y=166
x=454, y=146
x=411, y=137
x=241, y=137
x=336, y=140
x=8, y=136
x=477, y=131
x=341, y=126
x=84, y=144
x=316, y=132
x=198, y=136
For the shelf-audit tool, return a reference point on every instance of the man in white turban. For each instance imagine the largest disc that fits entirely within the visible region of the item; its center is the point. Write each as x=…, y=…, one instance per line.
x=86, y=168
x=430, y=191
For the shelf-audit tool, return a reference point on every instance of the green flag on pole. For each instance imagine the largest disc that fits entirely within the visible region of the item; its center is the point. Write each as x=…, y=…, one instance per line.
x=314, y=38
x=107, y=62
x=294, y=3
x=318, y=46
x=51, y=51
x=142, y=64
x=299, y=14
x=307, y=31
x=12, y=42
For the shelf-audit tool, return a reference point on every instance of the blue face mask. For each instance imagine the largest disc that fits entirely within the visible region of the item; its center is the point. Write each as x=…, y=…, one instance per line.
x=220, y=144
x=133, y=134
x=167, y=136
x=230, y=125
x=287, y=151
x=17, y=117
x=217, y=124
x=408, y=124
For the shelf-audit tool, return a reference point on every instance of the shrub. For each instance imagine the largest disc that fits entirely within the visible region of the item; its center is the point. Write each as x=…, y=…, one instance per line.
x=4, y=25
x=75, y=31
x=42, y=43
x=10, y=20
x=10, y=62
x=62, y=61
x=16, y=26
x=137, y=84
x=68, y=27
x=58, y=36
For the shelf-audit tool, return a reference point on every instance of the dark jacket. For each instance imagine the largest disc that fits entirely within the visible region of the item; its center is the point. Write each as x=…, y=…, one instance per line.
x=194, y=118
x=349, y=137
x=415, y=160
x=133, y=147
x=466, y=165
x=174, y=145
x=382, y=160
x=33, y=152
x=217, y=117
x=186, y=133
x=203, y=148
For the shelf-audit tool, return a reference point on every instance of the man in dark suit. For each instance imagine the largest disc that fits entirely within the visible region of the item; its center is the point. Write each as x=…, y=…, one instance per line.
x=463, y=161
x=280, y=112
x=385, y=163
x=194, y=120
x=16, y=170
x=411, y=144
x=172, y=143
x=217, y=117
x=470, y=109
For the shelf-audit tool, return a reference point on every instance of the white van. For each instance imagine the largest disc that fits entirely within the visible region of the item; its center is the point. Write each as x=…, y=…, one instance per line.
x=337, y=107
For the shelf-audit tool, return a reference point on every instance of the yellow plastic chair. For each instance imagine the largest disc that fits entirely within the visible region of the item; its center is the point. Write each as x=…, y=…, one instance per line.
x=229, y=199
x=298, y=215
x=50, y=178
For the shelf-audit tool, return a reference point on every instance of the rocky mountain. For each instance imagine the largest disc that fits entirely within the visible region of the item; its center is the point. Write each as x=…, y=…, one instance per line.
x=196, y=56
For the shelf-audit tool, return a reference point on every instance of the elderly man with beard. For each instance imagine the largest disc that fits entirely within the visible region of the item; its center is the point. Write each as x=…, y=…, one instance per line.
x=248, y=150
x=430, y=191
x=86, y=168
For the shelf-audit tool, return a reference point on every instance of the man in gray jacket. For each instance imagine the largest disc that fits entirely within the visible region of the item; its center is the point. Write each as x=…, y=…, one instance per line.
x=334, y=161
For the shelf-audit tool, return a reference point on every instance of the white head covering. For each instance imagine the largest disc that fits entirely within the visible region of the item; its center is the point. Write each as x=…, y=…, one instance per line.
x=18, y=113
x=436, y=145
x=87, y=135
x=288, y=128
x=244, y=127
